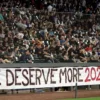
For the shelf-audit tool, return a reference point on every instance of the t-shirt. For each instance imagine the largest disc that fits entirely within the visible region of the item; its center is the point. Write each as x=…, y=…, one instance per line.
x=50, y=8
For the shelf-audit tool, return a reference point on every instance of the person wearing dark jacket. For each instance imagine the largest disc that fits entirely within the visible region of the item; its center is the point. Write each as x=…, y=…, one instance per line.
x=26, y=57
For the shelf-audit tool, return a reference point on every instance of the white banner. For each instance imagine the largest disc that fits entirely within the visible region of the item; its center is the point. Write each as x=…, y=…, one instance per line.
x=23, y=78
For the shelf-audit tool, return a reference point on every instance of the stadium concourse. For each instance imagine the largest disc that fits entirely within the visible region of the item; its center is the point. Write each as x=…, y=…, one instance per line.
x=52, y=31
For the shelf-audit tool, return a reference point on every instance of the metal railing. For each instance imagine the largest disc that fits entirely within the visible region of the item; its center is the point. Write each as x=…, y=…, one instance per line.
x=47, y=65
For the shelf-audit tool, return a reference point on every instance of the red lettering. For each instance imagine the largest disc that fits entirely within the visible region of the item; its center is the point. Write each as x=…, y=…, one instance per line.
x=93, y=72
x=98, y=76
x=88, y=75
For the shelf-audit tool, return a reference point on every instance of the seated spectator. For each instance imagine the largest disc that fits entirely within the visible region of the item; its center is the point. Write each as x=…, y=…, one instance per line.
x=94, y=57
x=26, y=57
x=2, y=61
x=82, y=56
x=47, y=54
x=65, y=56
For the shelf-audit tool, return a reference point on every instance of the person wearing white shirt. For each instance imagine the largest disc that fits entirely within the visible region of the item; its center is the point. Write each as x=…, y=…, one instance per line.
x=50, y=8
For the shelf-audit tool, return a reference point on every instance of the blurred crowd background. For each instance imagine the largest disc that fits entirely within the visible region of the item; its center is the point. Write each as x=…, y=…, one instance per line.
x=39, y=31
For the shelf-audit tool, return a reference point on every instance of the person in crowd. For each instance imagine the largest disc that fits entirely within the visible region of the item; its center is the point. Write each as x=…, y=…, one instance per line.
x=54, y=30
x=26, y=57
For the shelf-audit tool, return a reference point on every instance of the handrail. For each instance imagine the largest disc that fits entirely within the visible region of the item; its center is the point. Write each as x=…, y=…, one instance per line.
x=46, y=65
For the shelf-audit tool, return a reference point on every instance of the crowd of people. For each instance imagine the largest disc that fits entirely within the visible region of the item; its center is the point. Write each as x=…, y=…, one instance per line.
x=64, y=31
x=85, y=6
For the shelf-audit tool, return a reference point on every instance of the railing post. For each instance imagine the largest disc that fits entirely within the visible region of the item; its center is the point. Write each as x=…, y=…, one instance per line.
x=76, y=90
x=17, y=91
x=12, y=91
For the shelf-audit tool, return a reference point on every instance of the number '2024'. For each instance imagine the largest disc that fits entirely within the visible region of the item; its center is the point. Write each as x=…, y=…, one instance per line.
x=93, y=74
